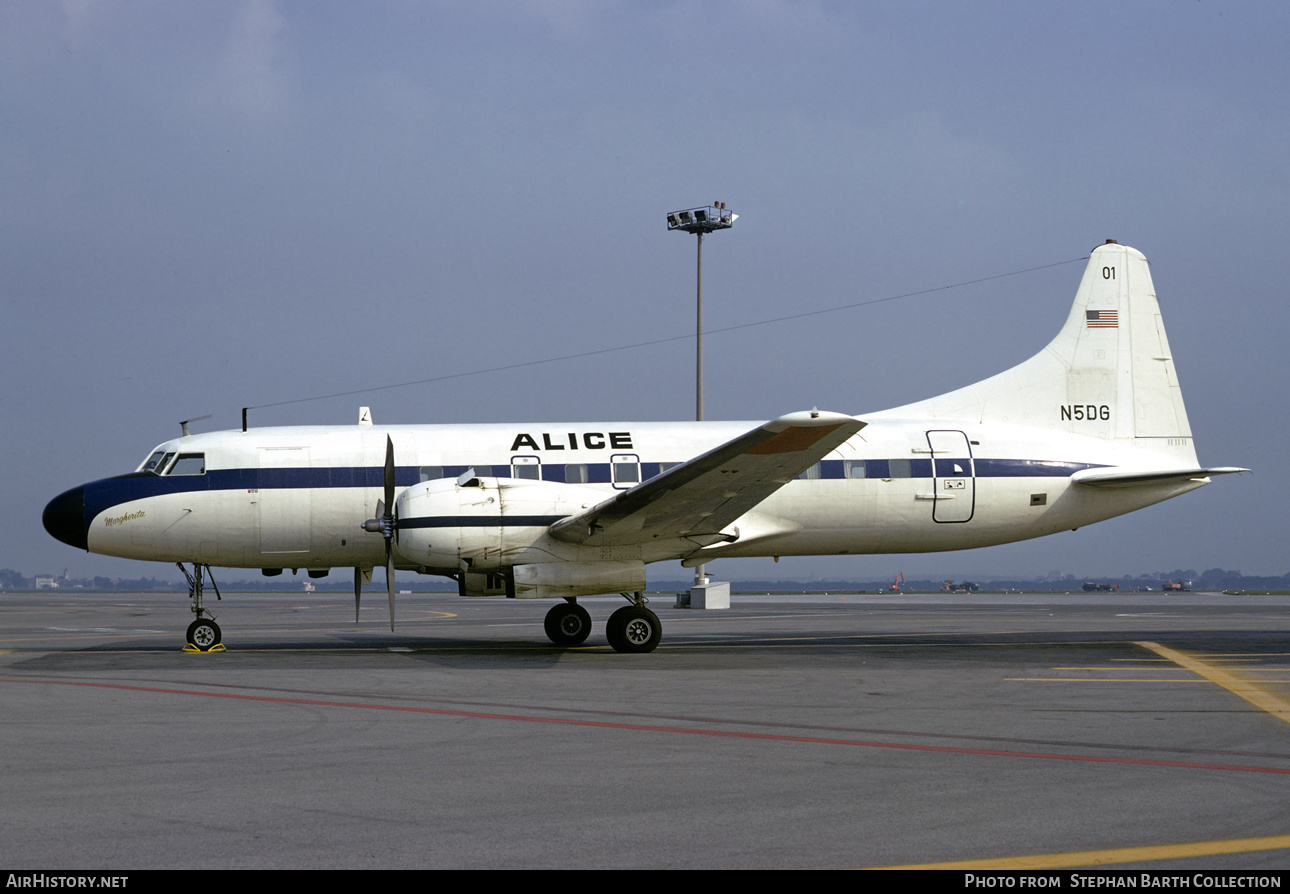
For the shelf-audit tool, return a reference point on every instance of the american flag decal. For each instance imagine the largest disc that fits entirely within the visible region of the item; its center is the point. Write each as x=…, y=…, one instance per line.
x=1102, y=319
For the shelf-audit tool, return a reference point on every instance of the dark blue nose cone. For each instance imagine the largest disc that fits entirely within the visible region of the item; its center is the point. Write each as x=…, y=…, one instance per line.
x=64, y=518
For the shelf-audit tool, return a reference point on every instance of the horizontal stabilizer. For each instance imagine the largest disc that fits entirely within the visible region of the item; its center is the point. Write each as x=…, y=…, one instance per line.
x=699, y=498
x=1138, y=478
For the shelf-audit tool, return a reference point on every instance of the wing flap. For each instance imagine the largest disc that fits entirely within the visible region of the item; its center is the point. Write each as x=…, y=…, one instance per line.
x=701, y=497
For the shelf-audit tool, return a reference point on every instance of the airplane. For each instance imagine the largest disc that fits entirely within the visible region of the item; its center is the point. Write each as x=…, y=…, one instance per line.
x=1091, y=427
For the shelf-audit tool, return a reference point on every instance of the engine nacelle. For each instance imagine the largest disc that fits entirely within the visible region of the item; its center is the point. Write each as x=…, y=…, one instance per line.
x=555, y=580
x=564, y=580
x=483, y=523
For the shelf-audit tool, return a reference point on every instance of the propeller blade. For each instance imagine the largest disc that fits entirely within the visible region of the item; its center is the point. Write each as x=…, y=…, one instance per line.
x=389, y=474
x=358, y=589
x=389, y=579
x=389, y=523
x=385, y=524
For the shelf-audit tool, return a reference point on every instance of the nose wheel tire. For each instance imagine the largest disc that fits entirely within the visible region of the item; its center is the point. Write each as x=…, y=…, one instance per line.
x=204, y=634
x=568, y=624
x=634, y=628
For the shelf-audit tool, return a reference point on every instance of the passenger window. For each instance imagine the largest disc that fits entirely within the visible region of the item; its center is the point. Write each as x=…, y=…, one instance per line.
x=810, y=474
x=898, y=468
x=526, y=467
x=853, y=468
x=575, y=473
x=626, y=469
x=431, y=473
x=190, y=464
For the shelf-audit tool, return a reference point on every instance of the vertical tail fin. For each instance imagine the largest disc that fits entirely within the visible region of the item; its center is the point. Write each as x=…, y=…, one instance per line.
x=1108, y=373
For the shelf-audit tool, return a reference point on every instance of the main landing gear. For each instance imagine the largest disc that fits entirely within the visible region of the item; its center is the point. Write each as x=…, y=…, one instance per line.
x=633, y=628
x=204, y=633
x=567, y=624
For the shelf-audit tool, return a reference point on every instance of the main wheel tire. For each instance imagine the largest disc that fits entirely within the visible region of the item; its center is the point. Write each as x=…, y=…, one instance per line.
x=634, y=629
x=567, y=624
x=204, y=634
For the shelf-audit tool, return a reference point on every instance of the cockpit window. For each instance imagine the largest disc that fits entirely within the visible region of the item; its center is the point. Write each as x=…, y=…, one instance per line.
x=151, y=463
x=189, y=464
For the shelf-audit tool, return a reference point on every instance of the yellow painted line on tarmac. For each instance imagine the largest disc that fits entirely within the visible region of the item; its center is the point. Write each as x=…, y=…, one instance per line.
x=1226, y=656
x=1264, y=701
x=1098, y=680
x=1155, y=666
x=1117, y=855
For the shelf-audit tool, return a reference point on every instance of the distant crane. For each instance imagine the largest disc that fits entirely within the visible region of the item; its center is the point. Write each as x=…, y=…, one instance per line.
x=897, y=583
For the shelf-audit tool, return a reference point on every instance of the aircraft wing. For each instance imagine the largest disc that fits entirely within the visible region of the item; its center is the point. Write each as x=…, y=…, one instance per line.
x=1115, y=477
x=699, y=498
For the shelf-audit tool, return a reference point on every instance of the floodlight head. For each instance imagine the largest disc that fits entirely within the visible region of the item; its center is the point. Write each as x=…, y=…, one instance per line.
x=706, y=219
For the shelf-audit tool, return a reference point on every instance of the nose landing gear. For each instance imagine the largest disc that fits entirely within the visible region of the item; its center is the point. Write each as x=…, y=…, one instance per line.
x=203, y=636
x=204, y=633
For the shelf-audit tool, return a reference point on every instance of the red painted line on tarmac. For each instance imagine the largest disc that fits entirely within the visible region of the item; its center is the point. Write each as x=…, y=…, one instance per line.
x=649, y=728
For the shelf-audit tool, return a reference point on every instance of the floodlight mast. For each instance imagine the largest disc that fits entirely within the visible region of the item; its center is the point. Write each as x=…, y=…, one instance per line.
x=700, y=221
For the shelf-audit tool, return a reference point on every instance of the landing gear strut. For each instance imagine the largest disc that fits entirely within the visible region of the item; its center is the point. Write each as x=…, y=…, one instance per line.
x=634, y=628
x=203, y=634
x=568, y=624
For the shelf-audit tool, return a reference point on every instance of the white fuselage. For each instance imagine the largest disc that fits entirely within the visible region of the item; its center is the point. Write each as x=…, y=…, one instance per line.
x=295, y=497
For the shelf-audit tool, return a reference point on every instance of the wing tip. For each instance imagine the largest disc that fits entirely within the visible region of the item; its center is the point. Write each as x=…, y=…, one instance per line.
x=814, y=419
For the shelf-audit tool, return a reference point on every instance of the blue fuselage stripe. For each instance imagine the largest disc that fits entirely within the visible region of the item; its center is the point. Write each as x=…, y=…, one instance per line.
x=108, y=492
x=476, y=521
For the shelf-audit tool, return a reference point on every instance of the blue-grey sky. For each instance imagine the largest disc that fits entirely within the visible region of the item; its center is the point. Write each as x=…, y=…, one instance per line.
x=205, y=206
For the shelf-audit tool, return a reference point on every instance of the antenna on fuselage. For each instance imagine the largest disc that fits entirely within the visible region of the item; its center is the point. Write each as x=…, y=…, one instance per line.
x=183, y=426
